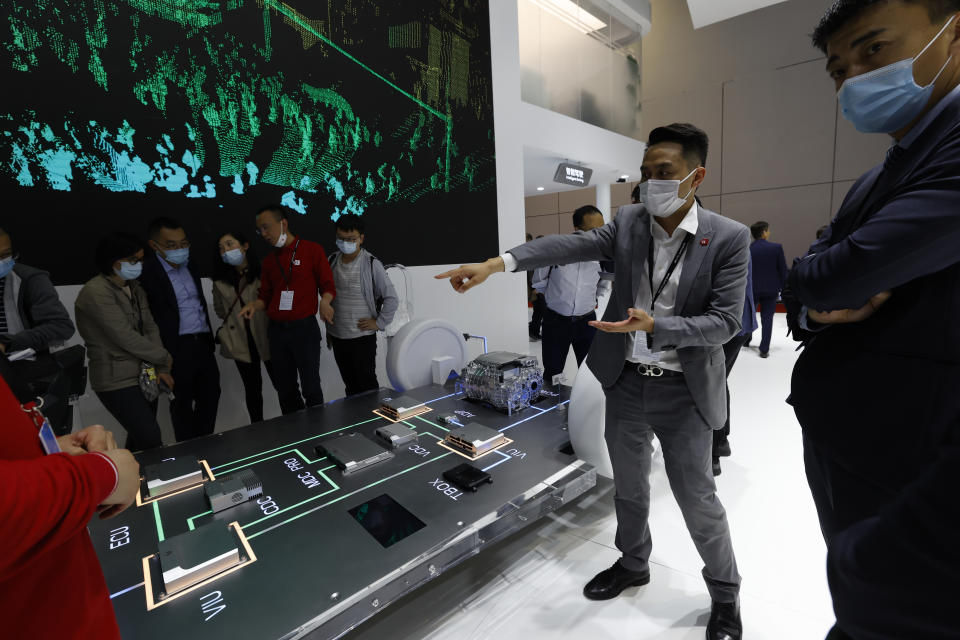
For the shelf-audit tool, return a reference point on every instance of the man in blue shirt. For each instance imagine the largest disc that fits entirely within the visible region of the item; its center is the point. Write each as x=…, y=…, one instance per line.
x=570, y=292
x=180, y=310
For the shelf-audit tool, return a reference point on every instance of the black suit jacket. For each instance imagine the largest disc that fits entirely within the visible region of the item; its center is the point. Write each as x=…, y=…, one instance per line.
x=880, y=397
x=769, y=267
x=163, y=300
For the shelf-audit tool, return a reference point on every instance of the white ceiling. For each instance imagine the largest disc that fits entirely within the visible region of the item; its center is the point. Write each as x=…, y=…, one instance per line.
x=705, y=12
x=539, y=167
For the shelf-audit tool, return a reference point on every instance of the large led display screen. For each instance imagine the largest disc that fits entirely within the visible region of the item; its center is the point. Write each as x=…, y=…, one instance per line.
x=119, y=111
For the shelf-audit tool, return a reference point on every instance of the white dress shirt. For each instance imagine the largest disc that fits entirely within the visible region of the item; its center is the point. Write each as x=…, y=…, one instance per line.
x=570, y=289
x=664, y=249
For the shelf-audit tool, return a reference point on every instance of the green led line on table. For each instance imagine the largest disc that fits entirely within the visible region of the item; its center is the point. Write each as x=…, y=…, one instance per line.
x=190, y=520
x=346, y=495
x=431, y=423
x=290, y=444
x=156, y=516
x=335, y=486
x=280, y=8
x=278, y=455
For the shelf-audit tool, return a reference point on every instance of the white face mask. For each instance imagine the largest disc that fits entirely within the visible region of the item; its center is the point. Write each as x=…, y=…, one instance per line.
x=282, y=240
x=662, y=197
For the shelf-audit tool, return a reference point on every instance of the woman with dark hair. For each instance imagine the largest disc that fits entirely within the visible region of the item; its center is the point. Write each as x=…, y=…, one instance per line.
x=123, y=341
x=236, y=281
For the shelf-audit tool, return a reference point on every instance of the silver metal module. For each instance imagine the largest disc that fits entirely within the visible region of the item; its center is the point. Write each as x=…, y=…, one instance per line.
x=234, y=489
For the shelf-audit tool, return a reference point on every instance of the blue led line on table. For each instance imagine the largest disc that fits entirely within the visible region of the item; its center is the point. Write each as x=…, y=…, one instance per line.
x=542, y=411
x=505, y=458
x=127, y=590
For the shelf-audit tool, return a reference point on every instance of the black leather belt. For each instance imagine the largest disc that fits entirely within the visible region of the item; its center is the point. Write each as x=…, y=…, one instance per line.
x=652, y=370
x=585, y=316
x=196, y=336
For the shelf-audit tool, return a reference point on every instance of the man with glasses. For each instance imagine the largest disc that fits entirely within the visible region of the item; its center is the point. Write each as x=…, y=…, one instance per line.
x=366, y=302
x=32, y=317
x=295, y=282
x=180, y=310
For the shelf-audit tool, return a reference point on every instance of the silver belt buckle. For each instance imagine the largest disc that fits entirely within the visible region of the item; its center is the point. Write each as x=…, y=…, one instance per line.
x=649, y=370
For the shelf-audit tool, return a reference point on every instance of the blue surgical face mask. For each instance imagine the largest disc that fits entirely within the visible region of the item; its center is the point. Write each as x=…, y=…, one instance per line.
x=178, y=256
x=6, y=266
x=347, y=248
x=888, y=99
x=234, y=257
x=129, y=271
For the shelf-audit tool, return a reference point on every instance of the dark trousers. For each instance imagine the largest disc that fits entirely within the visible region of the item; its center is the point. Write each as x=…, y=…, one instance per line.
x=731, y=350
x=559, y=333
x=768, y=306
x=357, y=361
x=196, y=390
x=137, y=416
x=536, y=322
x=295, y=350
x=253, y=380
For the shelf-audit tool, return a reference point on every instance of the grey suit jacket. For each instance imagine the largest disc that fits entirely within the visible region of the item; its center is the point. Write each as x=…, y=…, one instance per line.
x=709, y=305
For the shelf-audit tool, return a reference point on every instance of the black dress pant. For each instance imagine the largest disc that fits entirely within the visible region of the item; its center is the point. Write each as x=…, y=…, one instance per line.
x=559, y=333
x=768, y=307
x=731, y=350
x=536, y=322
x=295, y=350
x=137, y=416
x=252, y=379
x=357, y=361
x=196, y=390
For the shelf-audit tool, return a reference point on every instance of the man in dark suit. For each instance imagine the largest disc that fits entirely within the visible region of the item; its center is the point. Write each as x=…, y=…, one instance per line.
x=876, y=302
x=180, y=310
x=769, y=276
x=677, y=300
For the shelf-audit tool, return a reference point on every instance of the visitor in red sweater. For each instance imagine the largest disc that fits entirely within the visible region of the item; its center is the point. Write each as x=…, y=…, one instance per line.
x=51, y=584
x=295, y=282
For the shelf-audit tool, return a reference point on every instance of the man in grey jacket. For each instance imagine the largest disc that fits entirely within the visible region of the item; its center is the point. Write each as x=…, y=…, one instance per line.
x=31, y=314
x=659, y=355
x=366, y=303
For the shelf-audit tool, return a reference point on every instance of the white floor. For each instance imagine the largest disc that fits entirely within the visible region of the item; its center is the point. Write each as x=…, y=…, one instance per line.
x=529, y=586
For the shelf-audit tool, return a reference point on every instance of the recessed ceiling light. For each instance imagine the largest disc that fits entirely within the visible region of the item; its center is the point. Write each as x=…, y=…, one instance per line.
x=539, y=188
x=624, y=176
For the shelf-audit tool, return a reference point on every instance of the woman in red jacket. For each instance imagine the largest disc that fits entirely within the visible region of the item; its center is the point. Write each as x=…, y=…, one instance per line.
x=51, y=584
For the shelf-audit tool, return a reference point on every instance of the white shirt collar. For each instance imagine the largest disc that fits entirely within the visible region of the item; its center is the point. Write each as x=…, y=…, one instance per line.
x=690, y=224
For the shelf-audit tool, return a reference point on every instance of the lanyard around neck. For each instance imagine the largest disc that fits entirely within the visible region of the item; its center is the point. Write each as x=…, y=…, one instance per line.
x=673, y=266
x=287, y=278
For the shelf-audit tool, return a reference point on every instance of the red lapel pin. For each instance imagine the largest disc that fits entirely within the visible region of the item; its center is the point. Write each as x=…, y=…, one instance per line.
x=705, y=242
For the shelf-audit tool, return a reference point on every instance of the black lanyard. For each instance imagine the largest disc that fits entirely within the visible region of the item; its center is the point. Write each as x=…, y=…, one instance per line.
x=666, y=277
x=287, y=279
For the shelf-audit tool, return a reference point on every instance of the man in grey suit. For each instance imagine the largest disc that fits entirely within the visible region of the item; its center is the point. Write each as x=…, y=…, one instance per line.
x=659, y=355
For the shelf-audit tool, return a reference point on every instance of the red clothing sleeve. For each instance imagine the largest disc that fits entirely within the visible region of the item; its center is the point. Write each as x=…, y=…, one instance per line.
x=51, y=584
x=268, y=277
x=47, y=501
x=324, y=274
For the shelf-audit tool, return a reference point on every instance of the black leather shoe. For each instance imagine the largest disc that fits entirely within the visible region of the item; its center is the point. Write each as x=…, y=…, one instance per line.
x=609, y=583
x=725, y=622
x=764, y=354
x=716, y=467
x=722, y=449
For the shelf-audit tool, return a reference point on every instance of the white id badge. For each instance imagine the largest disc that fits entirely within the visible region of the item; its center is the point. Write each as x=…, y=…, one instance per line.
x=48, y=439
x=286, y=301
x=640, y=350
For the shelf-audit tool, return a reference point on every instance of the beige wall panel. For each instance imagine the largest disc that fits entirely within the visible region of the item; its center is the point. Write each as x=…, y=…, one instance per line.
x=858, y=152
x=778, y=130
x=571, y=200
x=794, y=214
x=703, y=107
x=543, y=225
x=542, y=205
